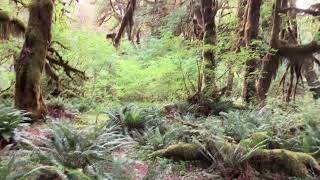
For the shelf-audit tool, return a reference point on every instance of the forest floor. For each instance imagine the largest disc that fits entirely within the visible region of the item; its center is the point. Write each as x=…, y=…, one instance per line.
x=292, y=127
x=140, y=167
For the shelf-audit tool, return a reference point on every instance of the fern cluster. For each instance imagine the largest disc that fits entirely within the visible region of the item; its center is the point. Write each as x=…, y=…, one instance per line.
x=72, y=153
x=9, y=120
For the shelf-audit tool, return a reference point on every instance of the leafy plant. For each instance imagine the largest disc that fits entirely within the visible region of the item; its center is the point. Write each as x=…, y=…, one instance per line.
x=9, y=120
x=239, y=124
x=6, y=169
x=132, y=117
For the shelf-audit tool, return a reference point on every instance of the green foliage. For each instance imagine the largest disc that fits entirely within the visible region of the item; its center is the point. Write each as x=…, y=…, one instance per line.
x=155, y=139
x=235, y=157
x=72, y=152
x=239, y=124
x=6, y=169
x=119, y=170
x=9, y=120
x=133, y=117
x=158, y=70
x=130, y=116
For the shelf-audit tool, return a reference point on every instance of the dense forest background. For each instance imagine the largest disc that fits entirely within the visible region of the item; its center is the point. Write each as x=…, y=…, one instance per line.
x=159, y=89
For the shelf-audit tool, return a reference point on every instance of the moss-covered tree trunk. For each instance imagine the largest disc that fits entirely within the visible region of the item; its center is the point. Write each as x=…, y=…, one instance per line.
x=209, y=39
x=29, y=66
x=270, y=62
x=250, y=34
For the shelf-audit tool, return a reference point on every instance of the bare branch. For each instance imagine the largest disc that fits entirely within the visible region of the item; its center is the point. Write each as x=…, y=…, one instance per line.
x=295, y=10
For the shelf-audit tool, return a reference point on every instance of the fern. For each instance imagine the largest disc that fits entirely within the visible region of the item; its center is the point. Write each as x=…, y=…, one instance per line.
x=6, y=169
x=10, y=118
x=71, y=151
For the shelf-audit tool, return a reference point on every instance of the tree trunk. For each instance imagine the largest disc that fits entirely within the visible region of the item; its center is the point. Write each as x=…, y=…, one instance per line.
x=311, y=76
x=242, y=17
x=270, y=62
x=209, y=39
x=250, y=34
x=30, y=64
x=300, y=57
x=126, y=22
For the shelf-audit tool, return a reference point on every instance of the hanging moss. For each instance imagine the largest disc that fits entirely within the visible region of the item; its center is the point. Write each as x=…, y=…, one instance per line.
x=17, y=27
x=4, y=22
x=4, y=16
x=10, y=26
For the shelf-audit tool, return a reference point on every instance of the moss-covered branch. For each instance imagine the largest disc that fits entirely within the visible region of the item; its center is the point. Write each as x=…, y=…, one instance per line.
x=56, y=59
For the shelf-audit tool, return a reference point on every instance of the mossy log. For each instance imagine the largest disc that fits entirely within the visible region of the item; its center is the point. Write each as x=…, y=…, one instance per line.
x=284, y=161
x=275, y=160
x=29, y=66
x=181, y=151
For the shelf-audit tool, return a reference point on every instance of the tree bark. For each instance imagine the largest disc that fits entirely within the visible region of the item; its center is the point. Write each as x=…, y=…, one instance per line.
x=311, y=76
x=298, y=56
x=126, y=22
x=209, y=39
x=29, y=66
x=250, y=34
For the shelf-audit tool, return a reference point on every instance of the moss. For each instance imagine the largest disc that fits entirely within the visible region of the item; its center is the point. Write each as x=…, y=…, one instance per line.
x=17, y=27
x=255, y=139
x=10, y=26
x=276, y=160
x=181, y=151
x=284, y=161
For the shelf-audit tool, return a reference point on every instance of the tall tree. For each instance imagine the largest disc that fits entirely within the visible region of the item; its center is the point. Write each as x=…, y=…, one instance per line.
x=208, y=9
x=29, y=66
x=270, y=62
x=250, y=34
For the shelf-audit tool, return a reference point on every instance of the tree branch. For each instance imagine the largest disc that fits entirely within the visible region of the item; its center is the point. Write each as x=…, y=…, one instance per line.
x=295, y=10
x=58, y=60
